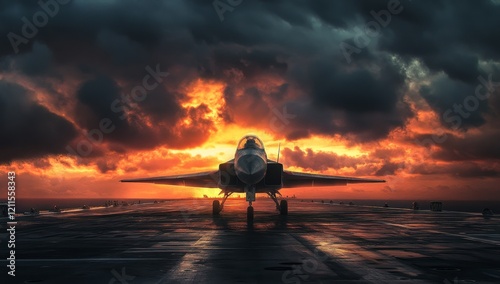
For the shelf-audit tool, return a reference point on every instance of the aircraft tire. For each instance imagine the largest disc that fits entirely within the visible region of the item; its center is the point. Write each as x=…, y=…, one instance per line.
x=216, y=207
x=284, y=207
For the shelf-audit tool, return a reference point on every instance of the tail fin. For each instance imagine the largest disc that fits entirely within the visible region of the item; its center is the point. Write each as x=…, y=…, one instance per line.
x=278, y=159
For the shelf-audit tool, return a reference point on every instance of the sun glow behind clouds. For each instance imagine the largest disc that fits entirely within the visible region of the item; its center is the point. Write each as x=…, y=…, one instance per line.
x=62, y=176
x=208, y=93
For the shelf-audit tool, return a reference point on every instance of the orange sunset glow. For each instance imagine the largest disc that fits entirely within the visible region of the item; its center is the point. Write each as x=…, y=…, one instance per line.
x=81, y=113
x=66, y=176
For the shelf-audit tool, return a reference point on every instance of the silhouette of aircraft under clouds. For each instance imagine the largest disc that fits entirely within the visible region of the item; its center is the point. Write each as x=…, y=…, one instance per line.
x=252, y=172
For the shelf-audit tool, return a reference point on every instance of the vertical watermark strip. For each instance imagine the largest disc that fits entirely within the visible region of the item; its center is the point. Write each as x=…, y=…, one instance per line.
x=11, y=223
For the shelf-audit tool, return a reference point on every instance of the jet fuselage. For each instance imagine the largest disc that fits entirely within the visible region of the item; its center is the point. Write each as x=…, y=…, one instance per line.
x=250, y=165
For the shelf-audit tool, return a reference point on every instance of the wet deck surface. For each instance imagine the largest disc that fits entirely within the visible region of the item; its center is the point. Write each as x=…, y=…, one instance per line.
x=181, y=242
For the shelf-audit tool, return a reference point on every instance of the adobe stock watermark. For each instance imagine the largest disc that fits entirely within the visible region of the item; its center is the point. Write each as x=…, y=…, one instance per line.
x=455, y=115
x=223, y=6
x=95, y=136
x=122, y=278
x=280, y=119
x=29, y=29
x=371, y=30
x=302, y=272
x=11, y=224
x=455, y=281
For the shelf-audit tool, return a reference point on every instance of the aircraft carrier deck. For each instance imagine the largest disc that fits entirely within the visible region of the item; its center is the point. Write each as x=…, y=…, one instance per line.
x=181, y=242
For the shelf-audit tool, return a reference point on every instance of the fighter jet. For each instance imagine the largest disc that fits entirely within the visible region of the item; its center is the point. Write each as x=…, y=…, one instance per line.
x=251, y=172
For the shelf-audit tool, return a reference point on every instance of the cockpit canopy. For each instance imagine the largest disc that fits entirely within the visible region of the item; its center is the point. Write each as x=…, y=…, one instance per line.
x=250, y=142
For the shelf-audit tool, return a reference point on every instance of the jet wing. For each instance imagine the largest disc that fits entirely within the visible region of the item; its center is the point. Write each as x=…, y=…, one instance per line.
x=297, y=179
x=203, y=179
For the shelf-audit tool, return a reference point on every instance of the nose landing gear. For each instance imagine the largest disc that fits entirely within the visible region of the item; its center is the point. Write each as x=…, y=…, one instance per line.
x=250, y=213
x=216, y=208
x=281, y=206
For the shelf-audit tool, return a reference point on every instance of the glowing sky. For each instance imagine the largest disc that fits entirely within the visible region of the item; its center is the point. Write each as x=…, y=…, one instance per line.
x=405, y=91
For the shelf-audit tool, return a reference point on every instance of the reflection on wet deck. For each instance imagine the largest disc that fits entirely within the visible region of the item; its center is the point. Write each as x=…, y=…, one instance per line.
x=181, y=242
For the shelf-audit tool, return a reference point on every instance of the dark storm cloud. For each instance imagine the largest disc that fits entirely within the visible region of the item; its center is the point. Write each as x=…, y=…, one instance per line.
x=95, y=98
x=386, y=154
x=358, y=126
x=460, y=170
x=320, y=161
x=447, y=36
x=106, y=45
x=101, y=98
x=360, y=90
x=105, y=166
x=122, y=49
x=473, y=147
x=163, y=106
x=389, y=168
x=356, y=100
x=33, y=63
x=448, y=98
x=250, y=63
x=28, y=129
x=461, y=66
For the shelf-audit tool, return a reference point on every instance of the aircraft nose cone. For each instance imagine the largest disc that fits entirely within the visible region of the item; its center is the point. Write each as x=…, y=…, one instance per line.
x=251, y=169
x=251, y=164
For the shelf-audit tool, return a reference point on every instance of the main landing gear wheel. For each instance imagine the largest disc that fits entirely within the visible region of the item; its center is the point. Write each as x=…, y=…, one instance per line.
x=216, y=207
x=249, y=214
x=284, y=207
